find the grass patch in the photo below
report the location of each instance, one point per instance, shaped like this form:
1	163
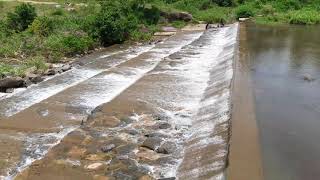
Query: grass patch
305	17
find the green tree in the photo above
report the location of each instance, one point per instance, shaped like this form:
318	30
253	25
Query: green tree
22	17
114	22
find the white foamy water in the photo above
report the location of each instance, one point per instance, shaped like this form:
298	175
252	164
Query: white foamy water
38	93
183	97
36	146
213	109
107	86
20	100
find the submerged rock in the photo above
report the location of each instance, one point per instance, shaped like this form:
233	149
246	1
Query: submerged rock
163	125
157	134
94	166
108	148
152	143
170	178
308	77
126	149
10	90
167	148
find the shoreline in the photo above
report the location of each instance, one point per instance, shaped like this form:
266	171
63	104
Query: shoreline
245	161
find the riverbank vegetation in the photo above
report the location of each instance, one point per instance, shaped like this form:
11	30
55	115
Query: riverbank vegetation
51	33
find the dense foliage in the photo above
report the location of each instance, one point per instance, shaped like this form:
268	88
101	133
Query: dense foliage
22	17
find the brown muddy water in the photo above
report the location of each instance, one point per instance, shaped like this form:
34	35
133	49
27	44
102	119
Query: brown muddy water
144	112
287	105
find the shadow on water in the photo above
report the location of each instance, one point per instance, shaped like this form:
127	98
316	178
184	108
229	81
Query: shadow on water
287	106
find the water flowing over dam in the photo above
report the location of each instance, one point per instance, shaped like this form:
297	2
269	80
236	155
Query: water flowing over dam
142	112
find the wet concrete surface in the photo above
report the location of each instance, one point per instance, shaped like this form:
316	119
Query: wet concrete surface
245	161
148	115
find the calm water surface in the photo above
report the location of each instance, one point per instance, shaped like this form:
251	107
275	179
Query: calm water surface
287	106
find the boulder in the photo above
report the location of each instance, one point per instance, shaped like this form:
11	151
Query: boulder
11	82
50	72
308	77
152	143
167	148
65	67
26	82
35	78
175	16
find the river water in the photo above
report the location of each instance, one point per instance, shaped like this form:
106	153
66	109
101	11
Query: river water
287	105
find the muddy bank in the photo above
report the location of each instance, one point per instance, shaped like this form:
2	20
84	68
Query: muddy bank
245	161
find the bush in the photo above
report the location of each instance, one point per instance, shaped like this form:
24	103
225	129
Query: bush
224	3
212	16
10	47
114	22
68	45
21	18
304	17
285	5
244	11
268	10
38	62
58	12
42	26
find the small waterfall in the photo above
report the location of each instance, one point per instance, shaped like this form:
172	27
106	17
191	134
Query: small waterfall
206	150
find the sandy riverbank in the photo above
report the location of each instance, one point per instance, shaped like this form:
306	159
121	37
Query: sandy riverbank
245	161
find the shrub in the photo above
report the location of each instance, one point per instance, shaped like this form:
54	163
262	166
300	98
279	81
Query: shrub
1	4
268	10
68	45
212	16
42	26
304	17
151	15
285	5
223	2
58	12
10	47
114	22
38	62
244	11
22	17
140	36
179	24
5	69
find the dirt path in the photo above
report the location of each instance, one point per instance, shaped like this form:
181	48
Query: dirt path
245	161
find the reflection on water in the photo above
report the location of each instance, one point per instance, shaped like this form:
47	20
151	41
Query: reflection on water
287	106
